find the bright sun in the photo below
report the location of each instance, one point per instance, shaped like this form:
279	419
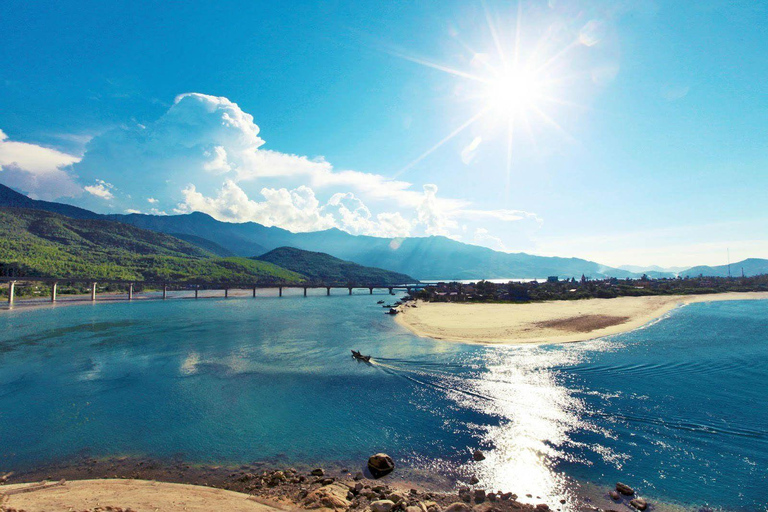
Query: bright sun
513	88
513	92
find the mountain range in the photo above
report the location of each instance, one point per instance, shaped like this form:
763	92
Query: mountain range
425	258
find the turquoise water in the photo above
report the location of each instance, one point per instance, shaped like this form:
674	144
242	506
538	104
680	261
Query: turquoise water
677	409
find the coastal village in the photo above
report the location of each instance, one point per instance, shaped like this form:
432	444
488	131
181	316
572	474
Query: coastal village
555	288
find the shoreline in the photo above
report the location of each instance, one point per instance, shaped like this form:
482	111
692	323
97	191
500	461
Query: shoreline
143	484
564	321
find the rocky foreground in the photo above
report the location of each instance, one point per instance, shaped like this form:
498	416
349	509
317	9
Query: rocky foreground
338	489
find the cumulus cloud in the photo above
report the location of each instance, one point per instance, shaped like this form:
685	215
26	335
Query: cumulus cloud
38	171
297	210
435	219
206	154
101	189
202	138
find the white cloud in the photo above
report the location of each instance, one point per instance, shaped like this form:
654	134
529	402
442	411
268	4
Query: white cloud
131	210
502	215
295	210
206	154
102	189
483	237
432	215
40	172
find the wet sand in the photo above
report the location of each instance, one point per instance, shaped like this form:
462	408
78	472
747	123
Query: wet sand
561	321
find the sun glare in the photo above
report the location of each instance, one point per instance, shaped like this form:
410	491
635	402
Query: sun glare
513	93
516	87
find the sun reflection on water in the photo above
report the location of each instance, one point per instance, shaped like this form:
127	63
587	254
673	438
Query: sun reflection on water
538	416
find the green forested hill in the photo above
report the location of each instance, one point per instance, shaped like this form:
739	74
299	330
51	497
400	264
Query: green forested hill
318	266
44	244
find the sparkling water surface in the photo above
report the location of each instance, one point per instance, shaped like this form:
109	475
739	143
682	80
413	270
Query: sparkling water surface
677	409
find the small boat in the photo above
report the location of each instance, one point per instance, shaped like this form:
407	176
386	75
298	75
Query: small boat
360	357
380	302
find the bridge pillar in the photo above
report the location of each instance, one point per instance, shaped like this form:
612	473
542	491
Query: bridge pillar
197	290
305	291
280	290
165	292
254	292
370	290
390	290
93	292
350	291
409	289
328	290
11	291
130	290
53	291
226	293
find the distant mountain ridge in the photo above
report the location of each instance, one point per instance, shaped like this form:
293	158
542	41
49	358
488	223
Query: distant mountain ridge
424	258
321	267
750	266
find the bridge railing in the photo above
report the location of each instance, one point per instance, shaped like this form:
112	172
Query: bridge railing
197	286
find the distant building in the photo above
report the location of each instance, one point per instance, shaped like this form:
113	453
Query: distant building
552	279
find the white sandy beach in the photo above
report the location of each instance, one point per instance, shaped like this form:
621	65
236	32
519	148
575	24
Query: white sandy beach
546	322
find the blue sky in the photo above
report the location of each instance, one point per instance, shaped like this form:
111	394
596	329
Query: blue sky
623	132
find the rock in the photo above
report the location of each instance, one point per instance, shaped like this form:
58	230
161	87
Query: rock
457	507
625	489
465	495
380	465
615	496
479	495
359	476
413	509
431	506
639	504
478	455
492	497
382	506
332	496
358	487
542	506
317	472
395	497
474	480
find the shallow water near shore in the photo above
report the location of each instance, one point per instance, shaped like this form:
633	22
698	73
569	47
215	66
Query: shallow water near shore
676	409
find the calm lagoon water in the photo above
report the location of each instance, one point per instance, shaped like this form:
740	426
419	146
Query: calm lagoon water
678	409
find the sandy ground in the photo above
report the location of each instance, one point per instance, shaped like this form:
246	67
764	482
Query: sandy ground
546	322
138	495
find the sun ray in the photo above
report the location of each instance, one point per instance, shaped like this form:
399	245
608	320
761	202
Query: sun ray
448	137
554	124
494	35
557	56
440	67
518	28
510	140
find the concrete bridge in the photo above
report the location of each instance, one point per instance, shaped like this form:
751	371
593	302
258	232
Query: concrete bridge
196	286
